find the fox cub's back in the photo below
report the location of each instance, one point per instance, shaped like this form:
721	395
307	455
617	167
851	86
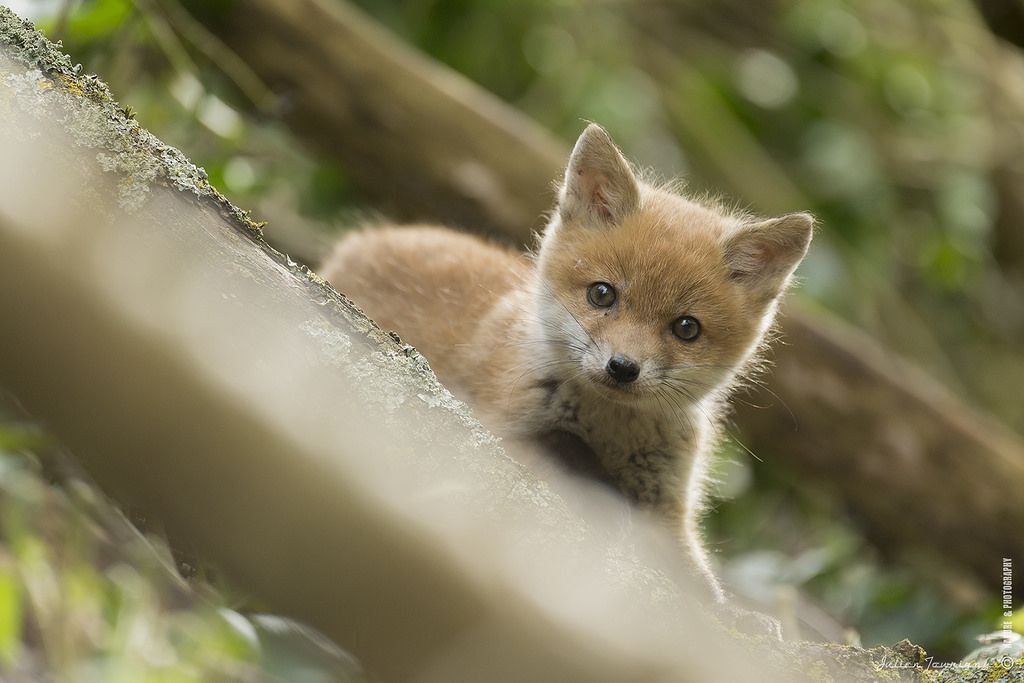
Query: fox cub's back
429	284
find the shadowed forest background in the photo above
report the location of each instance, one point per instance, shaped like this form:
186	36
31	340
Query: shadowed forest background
900	125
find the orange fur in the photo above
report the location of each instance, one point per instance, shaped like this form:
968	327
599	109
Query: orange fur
520	339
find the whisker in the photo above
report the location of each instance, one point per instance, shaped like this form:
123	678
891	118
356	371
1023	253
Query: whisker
730	433
539	369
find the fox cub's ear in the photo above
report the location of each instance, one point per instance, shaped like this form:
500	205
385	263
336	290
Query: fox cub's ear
600	188
762	256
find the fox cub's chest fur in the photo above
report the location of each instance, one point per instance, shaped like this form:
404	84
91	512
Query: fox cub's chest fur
645	450
627	328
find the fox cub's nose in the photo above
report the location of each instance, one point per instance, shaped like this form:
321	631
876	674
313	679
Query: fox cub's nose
622	369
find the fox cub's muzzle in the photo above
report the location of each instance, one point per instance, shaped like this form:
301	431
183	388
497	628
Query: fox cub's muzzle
622	369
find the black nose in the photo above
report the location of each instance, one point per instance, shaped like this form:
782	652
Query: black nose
623	370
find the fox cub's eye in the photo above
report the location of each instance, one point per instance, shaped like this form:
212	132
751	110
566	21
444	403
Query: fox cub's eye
601	294
686	328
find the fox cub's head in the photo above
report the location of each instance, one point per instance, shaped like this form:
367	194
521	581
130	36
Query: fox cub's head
644	294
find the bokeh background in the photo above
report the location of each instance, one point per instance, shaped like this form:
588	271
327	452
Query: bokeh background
899	124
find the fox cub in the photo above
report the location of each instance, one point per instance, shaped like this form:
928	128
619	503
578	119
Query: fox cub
627	328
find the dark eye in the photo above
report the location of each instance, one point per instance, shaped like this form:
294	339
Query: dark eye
686	328
601	294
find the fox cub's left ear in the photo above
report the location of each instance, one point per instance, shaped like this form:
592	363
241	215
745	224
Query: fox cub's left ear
600	188
762	256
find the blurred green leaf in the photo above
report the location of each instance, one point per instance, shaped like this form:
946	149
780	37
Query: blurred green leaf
17	437
10	613
94	19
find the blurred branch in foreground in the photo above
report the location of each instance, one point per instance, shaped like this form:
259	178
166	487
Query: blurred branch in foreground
868	426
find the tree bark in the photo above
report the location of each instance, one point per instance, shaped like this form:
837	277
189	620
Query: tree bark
902	452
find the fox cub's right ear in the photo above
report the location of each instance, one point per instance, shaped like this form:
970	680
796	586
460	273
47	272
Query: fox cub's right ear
600	188
761	256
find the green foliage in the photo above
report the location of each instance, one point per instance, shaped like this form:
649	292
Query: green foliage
92	23
84	597
10	615
780	537
482	39
22	437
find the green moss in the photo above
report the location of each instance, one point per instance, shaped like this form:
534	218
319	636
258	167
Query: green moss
70	84
313	276
246	218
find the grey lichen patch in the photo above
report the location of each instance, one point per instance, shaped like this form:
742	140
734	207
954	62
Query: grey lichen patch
400	374
51	86
136	173
332	341
89	125
429	399
33	49
377	383
392	369
624	567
